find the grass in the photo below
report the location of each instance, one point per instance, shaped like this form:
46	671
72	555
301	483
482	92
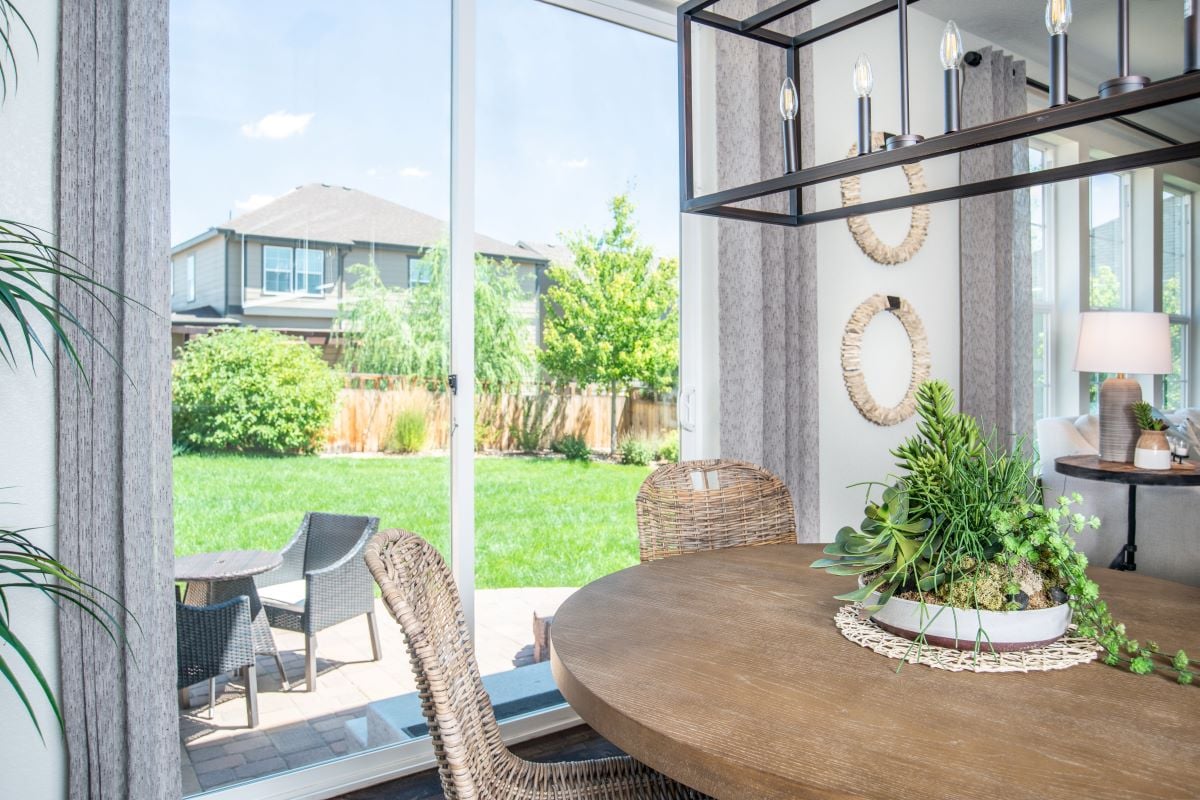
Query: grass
538	522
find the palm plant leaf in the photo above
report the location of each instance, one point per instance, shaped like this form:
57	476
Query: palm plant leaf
8	60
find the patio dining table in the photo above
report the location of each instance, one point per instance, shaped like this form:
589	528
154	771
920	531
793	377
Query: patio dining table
724	670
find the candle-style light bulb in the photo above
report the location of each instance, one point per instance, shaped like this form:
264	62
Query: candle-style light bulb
864	79
952	47
1058	16
789	101
864	82
789	105
951	54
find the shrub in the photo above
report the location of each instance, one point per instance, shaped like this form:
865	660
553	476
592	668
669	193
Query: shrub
669	449
408	432
251	389
575	448
636	451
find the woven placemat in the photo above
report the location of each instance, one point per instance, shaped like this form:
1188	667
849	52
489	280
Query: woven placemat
1066	652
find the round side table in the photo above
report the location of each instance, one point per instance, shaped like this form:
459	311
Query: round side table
1093	469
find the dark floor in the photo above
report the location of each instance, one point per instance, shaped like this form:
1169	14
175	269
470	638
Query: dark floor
572	745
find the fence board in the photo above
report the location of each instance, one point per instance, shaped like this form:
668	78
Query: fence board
369	404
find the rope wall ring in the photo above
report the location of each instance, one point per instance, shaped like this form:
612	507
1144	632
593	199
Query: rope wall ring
856	382
861	229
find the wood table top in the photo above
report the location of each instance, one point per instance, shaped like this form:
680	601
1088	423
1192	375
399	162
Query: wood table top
1092	468
724	670
225	566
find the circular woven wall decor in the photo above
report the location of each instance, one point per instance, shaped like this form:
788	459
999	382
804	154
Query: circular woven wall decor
852	373
861	229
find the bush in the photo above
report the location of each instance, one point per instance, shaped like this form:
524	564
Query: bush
669	449
251	389
408	432
575	448
636	451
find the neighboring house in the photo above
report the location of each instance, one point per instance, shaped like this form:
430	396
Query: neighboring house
284	266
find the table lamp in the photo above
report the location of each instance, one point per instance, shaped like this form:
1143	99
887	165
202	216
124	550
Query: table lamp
1125	343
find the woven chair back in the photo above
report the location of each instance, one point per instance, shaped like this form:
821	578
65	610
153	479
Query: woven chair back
331	536
709	505
420	594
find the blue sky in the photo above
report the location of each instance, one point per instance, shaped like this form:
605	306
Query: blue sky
268	95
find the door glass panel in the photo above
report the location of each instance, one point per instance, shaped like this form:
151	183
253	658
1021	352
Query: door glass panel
310	169
576	317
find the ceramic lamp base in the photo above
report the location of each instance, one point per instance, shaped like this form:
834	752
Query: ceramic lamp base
1119	430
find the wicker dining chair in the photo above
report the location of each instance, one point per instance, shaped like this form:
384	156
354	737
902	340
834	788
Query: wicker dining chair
709	505
473	762
322	582
212	641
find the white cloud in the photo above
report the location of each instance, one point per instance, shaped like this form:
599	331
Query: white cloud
414	172
277	125
372	172
252	202
576	163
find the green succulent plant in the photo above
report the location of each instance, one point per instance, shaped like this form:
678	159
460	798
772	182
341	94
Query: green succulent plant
888	547
1143	412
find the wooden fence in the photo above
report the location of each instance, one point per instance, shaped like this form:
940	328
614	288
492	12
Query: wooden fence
369	404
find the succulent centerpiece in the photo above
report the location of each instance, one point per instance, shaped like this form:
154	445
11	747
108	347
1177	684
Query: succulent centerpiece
958	549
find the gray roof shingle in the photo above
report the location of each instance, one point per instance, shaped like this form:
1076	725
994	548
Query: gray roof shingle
340	215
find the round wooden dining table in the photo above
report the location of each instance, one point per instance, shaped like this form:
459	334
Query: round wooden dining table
724	670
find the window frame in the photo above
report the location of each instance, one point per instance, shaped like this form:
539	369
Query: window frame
1045	307
1125	201
1183	317
190	272
300	279
290	271
414	260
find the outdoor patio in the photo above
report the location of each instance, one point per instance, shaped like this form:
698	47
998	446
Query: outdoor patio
347	711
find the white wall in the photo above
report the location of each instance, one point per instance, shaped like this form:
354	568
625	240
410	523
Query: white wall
27	437
853	449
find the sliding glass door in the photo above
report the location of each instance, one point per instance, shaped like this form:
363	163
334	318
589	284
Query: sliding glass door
362	190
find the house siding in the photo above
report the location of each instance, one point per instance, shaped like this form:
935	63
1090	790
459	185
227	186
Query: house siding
392	265
210	276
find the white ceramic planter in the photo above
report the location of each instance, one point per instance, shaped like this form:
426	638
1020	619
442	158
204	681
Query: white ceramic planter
946	626
1152	451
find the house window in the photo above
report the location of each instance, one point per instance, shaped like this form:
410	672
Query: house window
1041	230
310	270
1109	274
191	278
420	271
277	268
1176	289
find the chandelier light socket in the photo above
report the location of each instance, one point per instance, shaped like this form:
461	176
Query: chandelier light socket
1191	37
952	99
1058	69
864	125
1124	82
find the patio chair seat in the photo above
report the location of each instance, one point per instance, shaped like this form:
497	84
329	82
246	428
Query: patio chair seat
285	594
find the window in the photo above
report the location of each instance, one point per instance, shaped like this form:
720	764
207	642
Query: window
310	270
420	271
277	268
191	278
1176	289
1041	231
1108	242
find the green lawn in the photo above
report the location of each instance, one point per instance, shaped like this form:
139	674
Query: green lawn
538	522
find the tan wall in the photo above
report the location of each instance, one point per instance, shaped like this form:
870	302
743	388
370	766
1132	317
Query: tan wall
366	416
210	275
392	265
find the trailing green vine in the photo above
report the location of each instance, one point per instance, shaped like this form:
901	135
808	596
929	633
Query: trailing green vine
1041	535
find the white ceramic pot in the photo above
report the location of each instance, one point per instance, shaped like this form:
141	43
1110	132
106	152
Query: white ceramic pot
1153	451
946	626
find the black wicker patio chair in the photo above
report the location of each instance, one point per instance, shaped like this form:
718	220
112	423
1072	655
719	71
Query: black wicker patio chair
323	581
211	641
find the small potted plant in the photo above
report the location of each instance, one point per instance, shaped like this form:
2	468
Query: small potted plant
1153	451
959	550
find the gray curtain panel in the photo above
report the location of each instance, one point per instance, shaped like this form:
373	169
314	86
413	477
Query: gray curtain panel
996	267
114	437
767	280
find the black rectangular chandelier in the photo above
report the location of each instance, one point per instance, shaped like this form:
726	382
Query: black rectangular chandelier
1124	95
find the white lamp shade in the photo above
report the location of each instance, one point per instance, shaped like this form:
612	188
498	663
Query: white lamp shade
1130	342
